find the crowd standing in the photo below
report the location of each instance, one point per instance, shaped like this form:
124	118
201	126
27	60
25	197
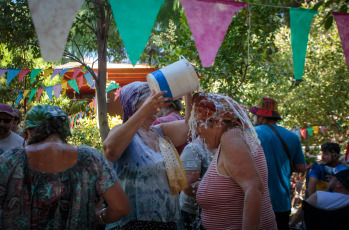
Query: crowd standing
209	169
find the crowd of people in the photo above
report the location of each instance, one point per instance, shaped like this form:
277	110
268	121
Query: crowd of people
213	168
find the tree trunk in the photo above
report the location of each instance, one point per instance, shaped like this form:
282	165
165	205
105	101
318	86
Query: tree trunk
102	39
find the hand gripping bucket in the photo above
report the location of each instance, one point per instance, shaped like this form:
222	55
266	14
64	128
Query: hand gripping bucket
178	79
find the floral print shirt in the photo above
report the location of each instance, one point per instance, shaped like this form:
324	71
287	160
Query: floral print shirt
32	199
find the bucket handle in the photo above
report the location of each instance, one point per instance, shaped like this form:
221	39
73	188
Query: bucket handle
182	57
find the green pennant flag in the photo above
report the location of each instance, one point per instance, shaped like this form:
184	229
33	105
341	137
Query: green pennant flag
300	20
32	92
33	74
111	87
135	20
310	131
74	85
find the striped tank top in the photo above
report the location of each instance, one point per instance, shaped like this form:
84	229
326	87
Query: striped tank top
222	199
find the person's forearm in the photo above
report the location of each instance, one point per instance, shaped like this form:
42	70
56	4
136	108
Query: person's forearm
252	209
296	218
311	186
118	139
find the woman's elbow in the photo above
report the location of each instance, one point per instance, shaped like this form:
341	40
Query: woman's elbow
110	153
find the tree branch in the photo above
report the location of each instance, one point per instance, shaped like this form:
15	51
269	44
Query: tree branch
90	27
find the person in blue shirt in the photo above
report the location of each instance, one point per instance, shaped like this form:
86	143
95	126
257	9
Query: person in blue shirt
279	165
318	177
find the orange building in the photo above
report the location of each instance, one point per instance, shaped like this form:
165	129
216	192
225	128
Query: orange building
121	74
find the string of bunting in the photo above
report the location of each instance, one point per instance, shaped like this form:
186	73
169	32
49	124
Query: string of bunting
311	131
74	119
207	19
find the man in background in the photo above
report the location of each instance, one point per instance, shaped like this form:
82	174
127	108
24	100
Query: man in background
318	177
279	158
8	139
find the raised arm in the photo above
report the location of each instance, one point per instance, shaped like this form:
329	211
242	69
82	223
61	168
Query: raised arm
177	131
121	136
239	165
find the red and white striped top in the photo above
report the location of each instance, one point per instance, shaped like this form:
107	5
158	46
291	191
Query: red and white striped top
222	199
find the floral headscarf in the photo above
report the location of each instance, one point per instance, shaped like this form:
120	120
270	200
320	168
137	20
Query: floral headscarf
41	113
219	107
131	95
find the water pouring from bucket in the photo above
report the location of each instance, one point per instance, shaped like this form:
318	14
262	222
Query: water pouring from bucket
178	79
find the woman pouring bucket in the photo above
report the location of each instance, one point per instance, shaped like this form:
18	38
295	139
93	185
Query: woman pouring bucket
144	156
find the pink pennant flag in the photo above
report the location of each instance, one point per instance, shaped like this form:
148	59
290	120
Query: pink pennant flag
39	94
304	133
57	90
342	21
22	74
76	72
117	93
209	21
80	80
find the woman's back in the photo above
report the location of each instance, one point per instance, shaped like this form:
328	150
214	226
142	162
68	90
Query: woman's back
58	189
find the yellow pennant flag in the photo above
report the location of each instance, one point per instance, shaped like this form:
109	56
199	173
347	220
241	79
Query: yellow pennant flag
47	72
64	84
25	93
316	129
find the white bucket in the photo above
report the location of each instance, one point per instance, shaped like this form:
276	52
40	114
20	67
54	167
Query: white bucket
178	79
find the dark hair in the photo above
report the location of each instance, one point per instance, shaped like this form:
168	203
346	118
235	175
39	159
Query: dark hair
332	147
53	125
177	105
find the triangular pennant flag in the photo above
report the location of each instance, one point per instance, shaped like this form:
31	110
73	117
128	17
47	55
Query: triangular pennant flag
209	21
39	94
33	74
64	71
32	92
80	81
20	96
76	72
322	129
2	71
64	84
316	129
117	93
111	87
22	74
74	85
342	21
11	74
55	72
310	131
47	72
300	20
57	90
49	92
89	79
135	20
53	31
304	133
25	92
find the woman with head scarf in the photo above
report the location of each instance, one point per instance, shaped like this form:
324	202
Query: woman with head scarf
233	193
50	184
147	166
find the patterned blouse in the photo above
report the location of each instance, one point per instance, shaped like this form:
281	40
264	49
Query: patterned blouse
141	173
32	199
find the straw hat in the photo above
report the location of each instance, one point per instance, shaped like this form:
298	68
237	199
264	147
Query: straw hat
267	108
